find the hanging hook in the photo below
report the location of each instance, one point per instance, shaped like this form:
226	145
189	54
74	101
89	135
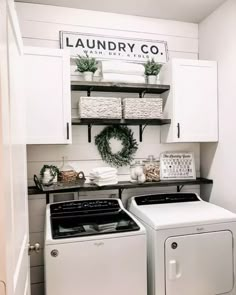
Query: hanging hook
142	93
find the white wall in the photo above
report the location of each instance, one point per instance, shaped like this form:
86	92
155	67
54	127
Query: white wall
40	26
217	42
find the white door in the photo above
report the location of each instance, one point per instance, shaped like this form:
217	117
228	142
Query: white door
14	266
195	101
199	264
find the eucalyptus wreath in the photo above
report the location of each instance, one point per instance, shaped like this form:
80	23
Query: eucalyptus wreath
125	155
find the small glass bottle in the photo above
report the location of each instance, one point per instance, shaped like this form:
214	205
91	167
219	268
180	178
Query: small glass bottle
152	169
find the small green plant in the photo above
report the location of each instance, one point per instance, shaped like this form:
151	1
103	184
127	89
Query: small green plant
152	67
86	64
54	171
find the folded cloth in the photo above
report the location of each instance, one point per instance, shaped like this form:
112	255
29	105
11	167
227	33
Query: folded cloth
108	179
112	77
120	67
103	171
103	176
102	183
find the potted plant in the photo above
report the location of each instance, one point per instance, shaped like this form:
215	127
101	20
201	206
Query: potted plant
152	69
86	65
49	174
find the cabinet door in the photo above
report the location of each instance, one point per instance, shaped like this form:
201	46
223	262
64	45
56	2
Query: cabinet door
195	111
47	74
199	264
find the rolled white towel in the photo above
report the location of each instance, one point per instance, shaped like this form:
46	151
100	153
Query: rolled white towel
103	170
120	67
110	77
103	176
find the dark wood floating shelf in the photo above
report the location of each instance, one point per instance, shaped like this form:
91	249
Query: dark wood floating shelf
142	123
78	187
119	87
121	122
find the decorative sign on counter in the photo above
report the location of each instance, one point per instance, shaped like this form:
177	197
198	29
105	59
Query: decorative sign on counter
116	48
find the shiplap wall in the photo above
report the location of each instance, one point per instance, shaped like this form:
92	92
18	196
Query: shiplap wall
40	26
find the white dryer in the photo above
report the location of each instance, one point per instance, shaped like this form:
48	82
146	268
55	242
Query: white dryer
94	247
190	244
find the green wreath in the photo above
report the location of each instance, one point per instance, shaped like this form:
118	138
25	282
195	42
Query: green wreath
130	146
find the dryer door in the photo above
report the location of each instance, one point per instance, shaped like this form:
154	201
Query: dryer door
199	264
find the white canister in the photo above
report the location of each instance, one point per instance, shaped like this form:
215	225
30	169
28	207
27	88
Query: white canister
137	172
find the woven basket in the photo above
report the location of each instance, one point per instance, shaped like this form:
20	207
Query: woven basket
100	107
142	108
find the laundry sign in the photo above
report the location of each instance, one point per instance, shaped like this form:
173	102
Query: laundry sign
107	47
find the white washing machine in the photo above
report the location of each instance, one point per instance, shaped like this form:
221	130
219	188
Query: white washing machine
190	244
94	247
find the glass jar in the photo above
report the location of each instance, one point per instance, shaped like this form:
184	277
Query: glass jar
152	169
137	172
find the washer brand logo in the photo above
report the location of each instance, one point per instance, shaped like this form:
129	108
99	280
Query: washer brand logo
107	47
98	244
200	228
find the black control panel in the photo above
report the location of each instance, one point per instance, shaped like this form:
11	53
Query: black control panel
166	198
84	207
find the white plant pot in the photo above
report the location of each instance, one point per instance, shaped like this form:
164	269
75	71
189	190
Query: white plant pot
48	178
151	79
88	76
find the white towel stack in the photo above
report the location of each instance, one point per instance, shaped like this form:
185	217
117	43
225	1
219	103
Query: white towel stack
118	71
104	176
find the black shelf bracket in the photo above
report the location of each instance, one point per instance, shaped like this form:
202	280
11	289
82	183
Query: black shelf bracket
120	192
47	197
89	132
179	188
89	91
142	93
141	130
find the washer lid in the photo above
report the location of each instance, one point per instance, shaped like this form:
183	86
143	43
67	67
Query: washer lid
88	218
173	214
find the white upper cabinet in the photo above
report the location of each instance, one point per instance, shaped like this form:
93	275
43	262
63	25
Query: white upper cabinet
47	76
192	101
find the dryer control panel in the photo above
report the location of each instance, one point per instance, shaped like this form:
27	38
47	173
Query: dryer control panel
166	198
